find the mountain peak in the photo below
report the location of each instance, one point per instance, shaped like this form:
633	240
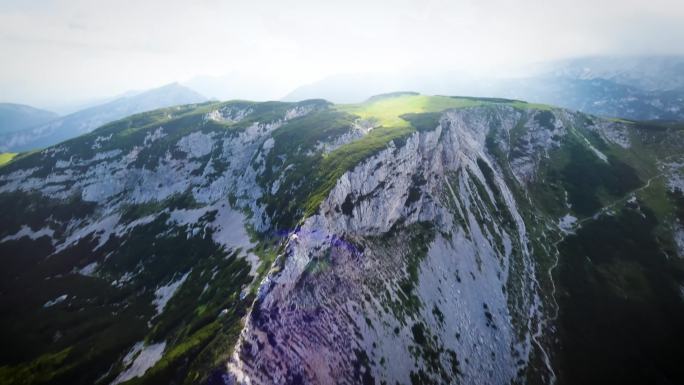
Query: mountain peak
17	117
86	120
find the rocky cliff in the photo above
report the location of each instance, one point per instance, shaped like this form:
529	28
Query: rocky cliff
409	239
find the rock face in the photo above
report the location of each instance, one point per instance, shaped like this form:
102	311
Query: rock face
420	267
293	243
429	301
141	227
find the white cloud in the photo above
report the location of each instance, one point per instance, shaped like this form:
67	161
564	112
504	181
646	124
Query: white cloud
77	49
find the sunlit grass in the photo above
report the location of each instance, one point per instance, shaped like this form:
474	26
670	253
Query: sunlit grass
530	106
5	157
387	111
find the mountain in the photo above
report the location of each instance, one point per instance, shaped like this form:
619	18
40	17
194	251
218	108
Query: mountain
17	117
84	121
597	96
640	88
407	239
650	73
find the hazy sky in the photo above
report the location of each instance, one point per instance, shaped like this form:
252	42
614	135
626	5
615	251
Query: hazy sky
63	51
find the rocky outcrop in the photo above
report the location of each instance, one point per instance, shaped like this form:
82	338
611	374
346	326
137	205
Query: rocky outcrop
417	266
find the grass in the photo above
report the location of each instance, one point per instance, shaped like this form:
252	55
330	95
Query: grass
41	370
415	239
198	338
387	111
335	164
163	371
397	116
6	157
620	302
96	339
176	121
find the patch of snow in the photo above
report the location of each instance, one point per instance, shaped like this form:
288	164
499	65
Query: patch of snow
228	114
153	136
133	353
55	301
89	269
164	293
675	171
124	279
26	231
229	231
268	145
196	145
567	223
64	163
145	358
297	112
103	228
679	240
349	136
615	132
181	217
106	155
99	140
596	152
121	230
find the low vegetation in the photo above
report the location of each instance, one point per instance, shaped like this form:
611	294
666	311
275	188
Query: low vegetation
5	157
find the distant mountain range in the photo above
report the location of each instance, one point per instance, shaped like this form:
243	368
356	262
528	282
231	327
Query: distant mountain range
598	96
650	73
641	88
17	117
53	131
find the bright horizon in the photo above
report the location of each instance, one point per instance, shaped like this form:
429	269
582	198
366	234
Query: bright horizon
60	52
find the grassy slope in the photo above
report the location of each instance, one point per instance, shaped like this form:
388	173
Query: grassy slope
198	339
390	112
387	111
618	268
5	157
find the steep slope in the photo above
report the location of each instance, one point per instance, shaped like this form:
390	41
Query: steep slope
81	122
17	117
430	262
409	239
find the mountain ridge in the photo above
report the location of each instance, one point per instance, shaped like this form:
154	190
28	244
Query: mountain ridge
16	117
639	88
409	239
90	118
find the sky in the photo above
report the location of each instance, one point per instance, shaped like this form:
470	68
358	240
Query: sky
60	52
